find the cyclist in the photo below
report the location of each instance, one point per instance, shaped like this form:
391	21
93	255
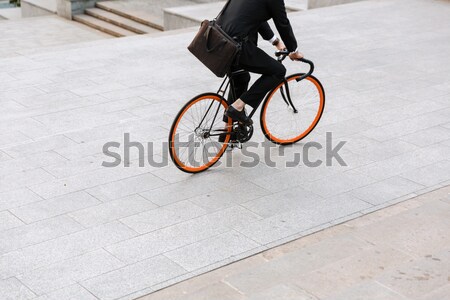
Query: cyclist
243	20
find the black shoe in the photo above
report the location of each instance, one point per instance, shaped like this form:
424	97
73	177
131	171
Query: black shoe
238	115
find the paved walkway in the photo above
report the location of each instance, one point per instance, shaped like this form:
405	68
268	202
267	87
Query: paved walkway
31	34
69	226
398	253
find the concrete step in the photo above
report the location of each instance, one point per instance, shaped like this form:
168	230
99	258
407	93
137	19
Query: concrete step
145	18
103	26
13	13
120	21
296	5
35	8
192	15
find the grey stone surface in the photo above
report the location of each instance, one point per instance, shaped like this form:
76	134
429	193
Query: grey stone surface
324	3
211	250
56	250
112	210
31	234
342	262
16	198
68	272
184	15
33	161
134	277
75	97
391	188
163	216
29	34
8	221
162	240
126	187
72	292
11	13
339	183
54	207
12	289
429	175
189	16
233	217
278	203
17	180
33	8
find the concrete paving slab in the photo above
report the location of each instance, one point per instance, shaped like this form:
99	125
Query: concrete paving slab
12	13
8	221
46	31
337	263
55	277
14	289
74	291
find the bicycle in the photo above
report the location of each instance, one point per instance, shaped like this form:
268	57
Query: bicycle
200	123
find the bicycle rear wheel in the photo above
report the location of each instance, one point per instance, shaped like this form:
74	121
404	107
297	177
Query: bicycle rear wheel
280	123
194	137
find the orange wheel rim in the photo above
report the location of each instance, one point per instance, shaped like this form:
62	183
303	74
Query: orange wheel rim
200	168
311	126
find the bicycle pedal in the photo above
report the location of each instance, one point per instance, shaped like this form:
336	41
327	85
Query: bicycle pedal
234	145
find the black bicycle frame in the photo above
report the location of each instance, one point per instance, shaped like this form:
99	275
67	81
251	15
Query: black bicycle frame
228	82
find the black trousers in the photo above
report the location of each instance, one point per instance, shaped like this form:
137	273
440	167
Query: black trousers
255	60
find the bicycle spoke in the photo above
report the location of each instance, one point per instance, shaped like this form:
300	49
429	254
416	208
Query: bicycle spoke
280	120
200	119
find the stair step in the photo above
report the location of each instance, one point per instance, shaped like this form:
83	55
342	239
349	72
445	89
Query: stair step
103	26
120	21
135	15
192	15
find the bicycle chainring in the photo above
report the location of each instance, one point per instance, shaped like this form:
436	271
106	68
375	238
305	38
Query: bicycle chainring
243	133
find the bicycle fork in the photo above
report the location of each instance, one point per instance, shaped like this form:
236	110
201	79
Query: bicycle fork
287	96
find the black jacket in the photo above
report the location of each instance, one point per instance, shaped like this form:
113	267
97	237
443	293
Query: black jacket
244	18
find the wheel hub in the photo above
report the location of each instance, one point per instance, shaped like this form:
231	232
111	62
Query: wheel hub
202	133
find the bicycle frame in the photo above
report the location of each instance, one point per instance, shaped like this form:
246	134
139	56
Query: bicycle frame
228	82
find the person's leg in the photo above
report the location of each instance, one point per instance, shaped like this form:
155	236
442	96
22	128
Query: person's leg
256	60
240	85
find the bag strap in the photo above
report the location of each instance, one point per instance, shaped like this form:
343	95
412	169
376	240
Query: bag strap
223	9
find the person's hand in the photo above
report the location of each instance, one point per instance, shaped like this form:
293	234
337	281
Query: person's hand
281	46
296	55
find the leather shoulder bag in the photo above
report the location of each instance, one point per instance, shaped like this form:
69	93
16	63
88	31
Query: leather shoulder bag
214	47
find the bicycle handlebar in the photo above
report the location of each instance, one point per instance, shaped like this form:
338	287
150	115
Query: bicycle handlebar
284	53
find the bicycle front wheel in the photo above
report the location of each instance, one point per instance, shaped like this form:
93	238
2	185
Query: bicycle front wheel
292	110
194	139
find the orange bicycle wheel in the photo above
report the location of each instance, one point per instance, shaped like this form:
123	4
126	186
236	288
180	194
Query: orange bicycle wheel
194	137
280	123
